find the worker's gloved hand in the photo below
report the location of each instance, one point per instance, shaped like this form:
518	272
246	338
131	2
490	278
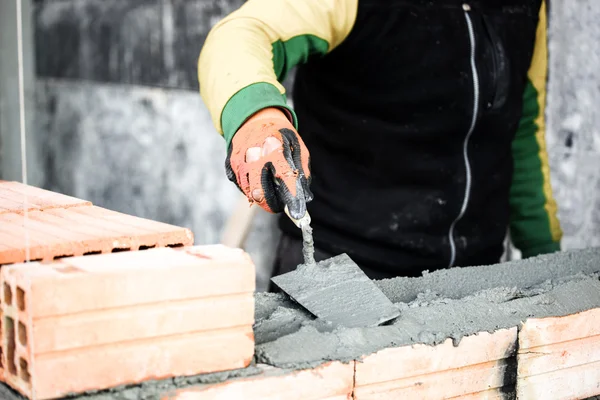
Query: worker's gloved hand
270	164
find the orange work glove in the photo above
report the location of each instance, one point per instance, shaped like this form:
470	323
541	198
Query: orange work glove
270	164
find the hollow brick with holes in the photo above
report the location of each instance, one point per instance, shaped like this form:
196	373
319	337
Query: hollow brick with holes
96	322
330	381
85	230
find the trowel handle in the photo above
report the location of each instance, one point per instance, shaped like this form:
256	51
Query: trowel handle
298	222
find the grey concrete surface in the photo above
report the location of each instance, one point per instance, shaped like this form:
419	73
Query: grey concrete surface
573	118
10	139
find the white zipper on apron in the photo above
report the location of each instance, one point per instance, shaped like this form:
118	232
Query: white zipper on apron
465	203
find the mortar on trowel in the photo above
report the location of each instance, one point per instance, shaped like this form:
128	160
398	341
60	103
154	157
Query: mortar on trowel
336	289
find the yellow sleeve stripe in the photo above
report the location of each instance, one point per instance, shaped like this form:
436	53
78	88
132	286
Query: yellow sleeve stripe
538	76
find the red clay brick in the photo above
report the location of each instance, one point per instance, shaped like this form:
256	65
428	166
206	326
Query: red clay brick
477	364
94	322
83	239
12	195
8	205
47	237
73	232
130	235
558	357
94	236
59	333
331	381
129	279
13	248
167	236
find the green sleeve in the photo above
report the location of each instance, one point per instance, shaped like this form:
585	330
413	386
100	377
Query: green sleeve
258	96
534	224
247	55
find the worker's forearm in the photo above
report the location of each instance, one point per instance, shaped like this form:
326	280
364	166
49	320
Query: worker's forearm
247	54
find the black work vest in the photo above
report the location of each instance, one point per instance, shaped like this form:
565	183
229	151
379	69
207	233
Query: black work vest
409	123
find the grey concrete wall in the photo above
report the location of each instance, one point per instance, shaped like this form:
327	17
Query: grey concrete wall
10	137
123	125
144	151
573	114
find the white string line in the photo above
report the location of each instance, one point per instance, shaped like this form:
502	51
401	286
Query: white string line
23	150
22	124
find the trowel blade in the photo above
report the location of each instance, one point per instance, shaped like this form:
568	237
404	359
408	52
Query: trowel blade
337	290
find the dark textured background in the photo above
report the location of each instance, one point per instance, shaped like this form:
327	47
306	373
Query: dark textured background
139	42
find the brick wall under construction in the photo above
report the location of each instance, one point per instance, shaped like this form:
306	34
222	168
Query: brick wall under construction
119	307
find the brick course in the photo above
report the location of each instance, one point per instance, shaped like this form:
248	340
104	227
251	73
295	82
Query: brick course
331	381
478	364
95	322
559	358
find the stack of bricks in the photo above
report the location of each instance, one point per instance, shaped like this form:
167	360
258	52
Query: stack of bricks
63	226
80	319
329	381
478	368
562	363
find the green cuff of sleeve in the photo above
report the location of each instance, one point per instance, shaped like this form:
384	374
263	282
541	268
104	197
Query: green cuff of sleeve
540	249
247	102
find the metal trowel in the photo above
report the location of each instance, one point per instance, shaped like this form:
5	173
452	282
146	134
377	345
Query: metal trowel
335	289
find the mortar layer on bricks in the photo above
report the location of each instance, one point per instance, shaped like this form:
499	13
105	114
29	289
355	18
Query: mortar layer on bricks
444	304
453	304
96	322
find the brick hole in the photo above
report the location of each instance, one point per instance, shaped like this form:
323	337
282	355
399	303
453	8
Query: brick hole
24	370
1	358
22	334
63	256
147	247
118	250
92	253
175	245
9	324
35	260
20	299
7	294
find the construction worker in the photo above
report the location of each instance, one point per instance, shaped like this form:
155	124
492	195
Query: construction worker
416	137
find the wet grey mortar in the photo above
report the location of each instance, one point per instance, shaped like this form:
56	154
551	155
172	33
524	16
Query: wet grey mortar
308	245
443	304
440	305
